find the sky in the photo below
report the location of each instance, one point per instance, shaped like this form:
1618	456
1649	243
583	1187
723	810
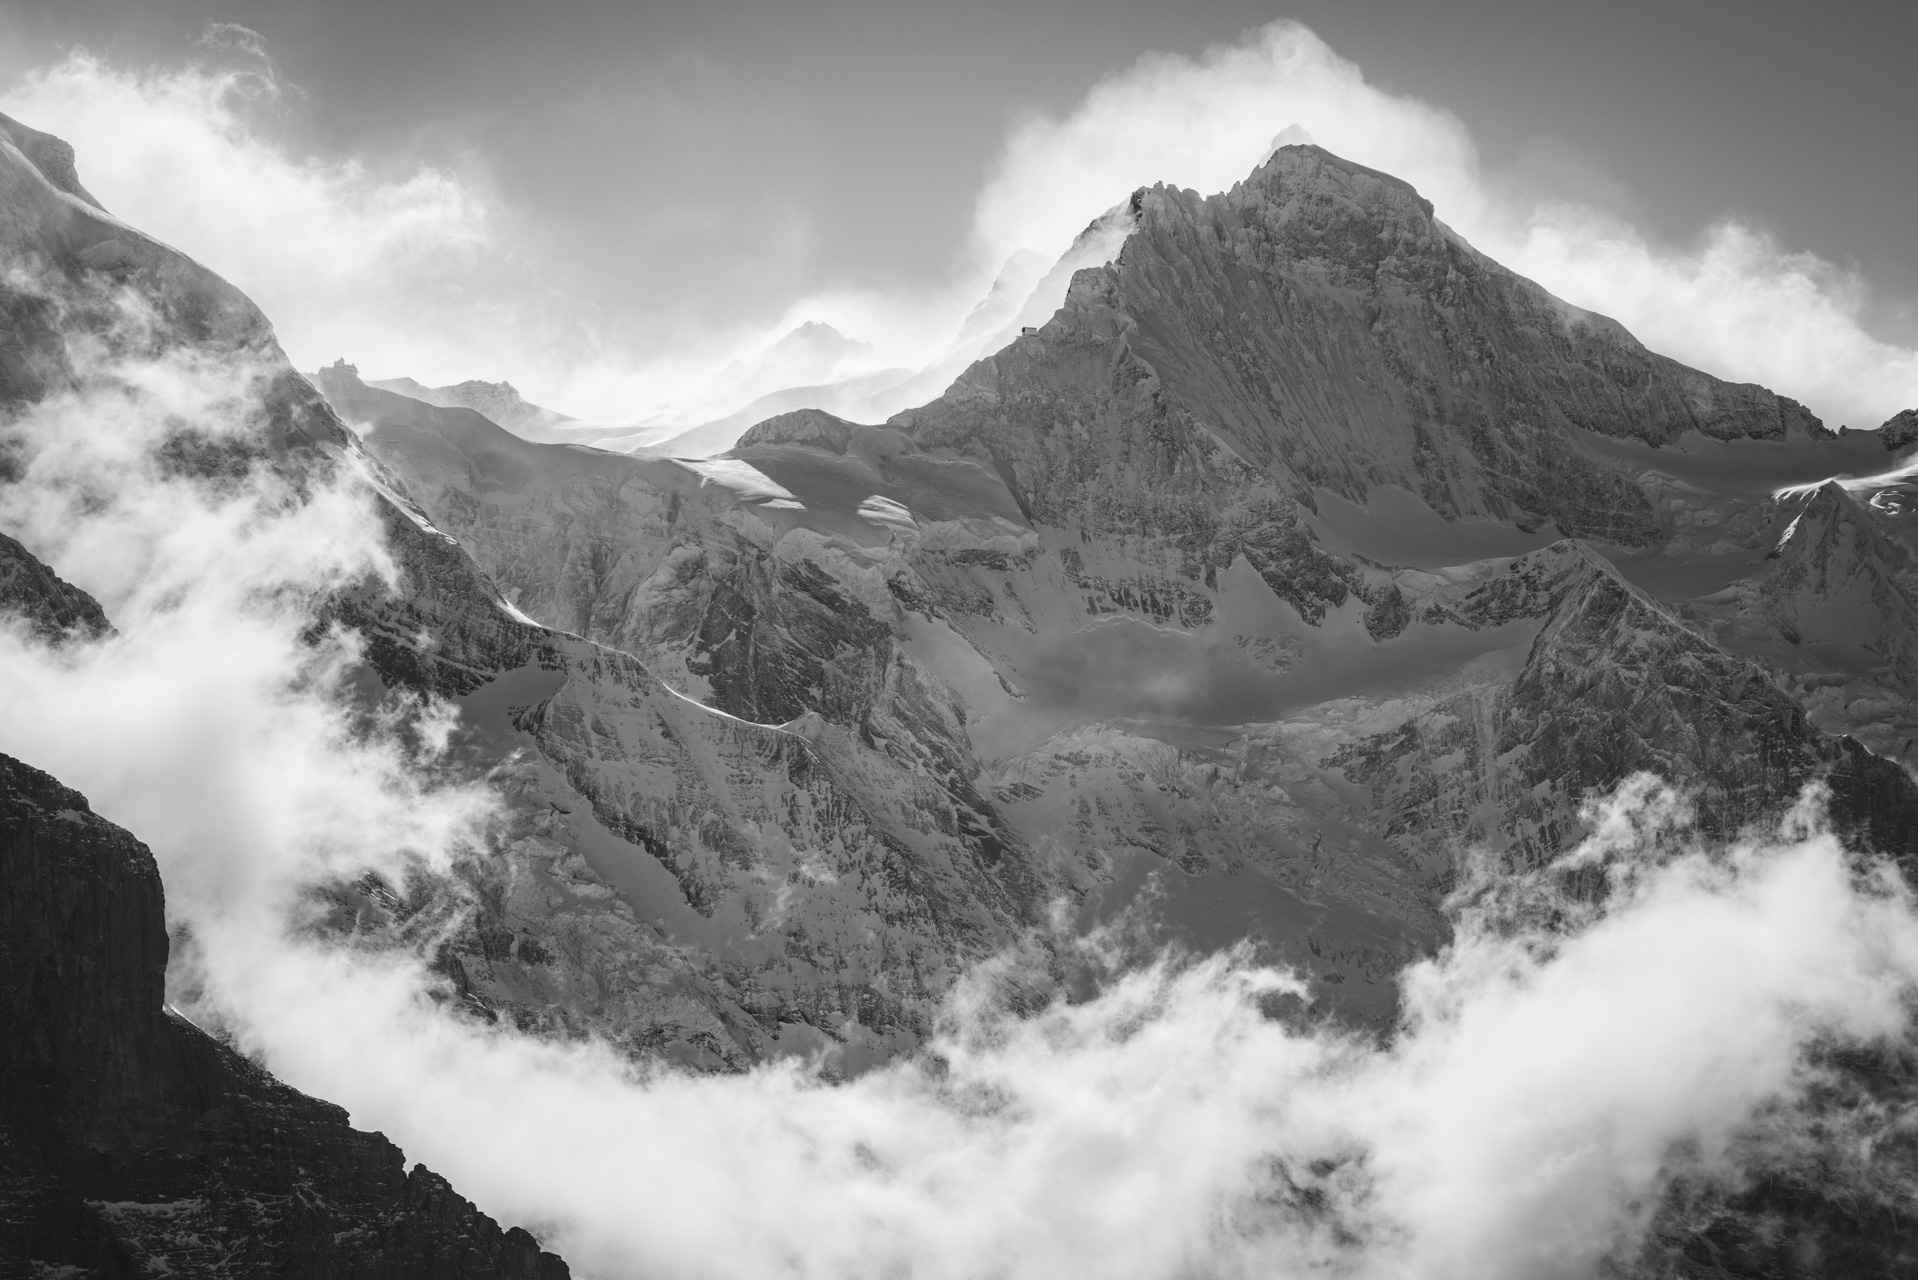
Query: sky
608	194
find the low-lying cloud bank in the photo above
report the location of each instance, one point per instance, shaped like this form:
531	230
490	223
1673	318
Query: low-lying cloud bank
1561	1063
422	275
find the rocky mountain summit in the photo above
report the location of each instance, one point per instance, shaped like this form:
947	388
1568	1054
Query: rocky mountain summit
1317	327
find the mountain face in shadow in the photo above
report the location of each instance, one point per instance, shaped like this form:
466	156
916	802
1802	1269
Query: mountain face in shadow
1192	580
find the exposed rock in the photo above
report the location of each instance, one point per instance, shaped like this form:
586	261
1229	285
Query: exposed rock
857	870
1613	684
766	837
803	426
51	606
1899	430
1831	581
894	631
133	1144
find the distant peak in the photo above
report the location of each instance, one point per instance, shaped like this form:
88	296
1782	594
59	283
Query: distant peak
818	339
1293	135
478	387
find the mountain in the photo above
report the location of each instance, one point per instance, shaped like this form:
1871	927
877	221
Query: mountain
865	829
812	366
1900	429
52	607
1832	582
132	1143
497	400
1183	583
1007	294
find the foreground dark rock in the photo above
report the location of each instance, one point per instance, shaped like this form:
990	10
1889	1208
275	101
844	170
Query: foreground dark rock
131	1143
1317	327
54	608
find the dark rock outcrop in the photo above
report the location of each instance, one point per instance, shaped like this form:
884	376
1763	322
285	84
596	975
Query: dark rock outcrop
50	605
131	1143
1831	578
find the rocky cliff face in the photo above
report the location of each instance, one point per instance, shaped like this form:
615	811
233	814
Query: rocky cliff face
133	1144
45	603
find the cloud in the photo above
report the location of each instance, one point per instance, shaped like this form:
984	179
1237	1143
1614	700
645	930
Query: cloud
344	260
1562	1061
420	271
1736	304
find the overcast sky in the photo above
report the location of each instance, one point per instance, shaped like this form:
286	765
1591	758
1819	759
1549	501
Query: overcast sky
683	169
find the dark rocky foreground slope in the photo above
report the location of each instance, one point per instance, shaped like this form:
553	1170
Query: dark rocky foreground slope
133	1144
